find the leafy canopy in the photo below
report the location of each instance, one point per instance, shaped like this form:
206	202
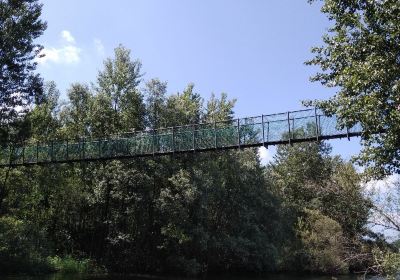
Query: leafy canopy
360	58
20	25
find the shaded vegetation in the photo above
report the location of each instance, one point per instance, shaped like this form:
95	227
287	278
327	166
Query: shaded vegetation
188	214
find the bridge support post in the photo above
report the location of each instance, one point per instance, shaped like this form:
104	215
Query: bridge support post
173	140
154	141
238	132
347	132
215	134
100	153
263	129
316	124
194	137
288	121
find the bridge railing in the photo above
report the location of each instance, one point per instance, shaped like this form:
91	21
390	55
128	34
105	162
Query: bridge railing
271	129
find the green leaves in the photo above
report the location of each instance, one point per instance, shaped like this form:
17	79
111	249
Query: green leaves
361	59
118	82
20	25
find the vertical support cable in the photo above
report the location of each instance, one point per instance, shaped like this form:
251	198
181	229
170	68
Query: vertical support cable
193	137
52	151
263	129
99	148
293	129
238	131
267	134
347	131
154	142
128	153
173	139
319	125
316	124
215	135
288	121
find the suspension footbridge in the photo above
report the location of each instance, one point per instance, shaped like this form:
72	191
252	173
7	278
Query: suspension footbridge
265	130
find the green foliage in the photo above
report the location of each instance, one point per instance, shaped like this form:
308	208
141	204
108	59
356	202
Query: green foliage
21	247
186	214
306	176
20	25
70	265
184	108
155	92
44	117
386	263
360	59
219	109
75	117
118	82
322	243
391	265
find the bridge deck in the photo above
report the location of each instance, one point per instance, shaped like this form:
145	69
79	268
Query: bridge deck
265	130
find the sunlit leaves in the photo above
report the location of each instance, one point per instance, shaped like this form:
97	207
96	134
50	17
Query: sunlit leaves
360	59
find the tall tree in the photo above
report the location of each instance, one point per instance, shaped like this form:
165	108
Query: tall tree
44	117
20	25
118	82
219	109
155	92
360	58
184	108
75	115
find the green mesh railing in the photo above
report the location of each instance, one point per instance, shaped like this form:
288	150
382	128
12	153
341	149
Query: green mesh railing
283	128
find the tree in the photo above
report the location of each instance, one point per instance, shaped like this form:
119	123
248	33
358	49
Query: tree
306	175
155	92
219	109
360	60
20	25
118	82
299	170
184	108
307	178
323	243
75	115
44	117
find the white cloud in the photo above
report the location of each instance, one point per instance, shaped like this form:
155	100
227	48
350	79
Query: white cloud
265	155
99	47
67	36
68	53
64	55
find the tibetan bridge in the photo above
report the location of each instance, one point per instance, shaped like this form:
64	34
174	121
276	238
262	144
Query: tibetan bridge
284	128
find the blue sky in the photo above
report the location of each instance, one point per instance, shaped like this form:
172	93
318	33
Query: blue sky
252	50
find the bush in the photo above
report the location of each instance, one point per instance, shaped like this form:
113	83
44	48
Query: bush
322	242
21	247
387	263
71	265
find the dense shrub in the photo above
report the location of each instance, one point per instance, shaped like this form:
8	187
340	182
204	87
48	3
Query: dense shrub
21	247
